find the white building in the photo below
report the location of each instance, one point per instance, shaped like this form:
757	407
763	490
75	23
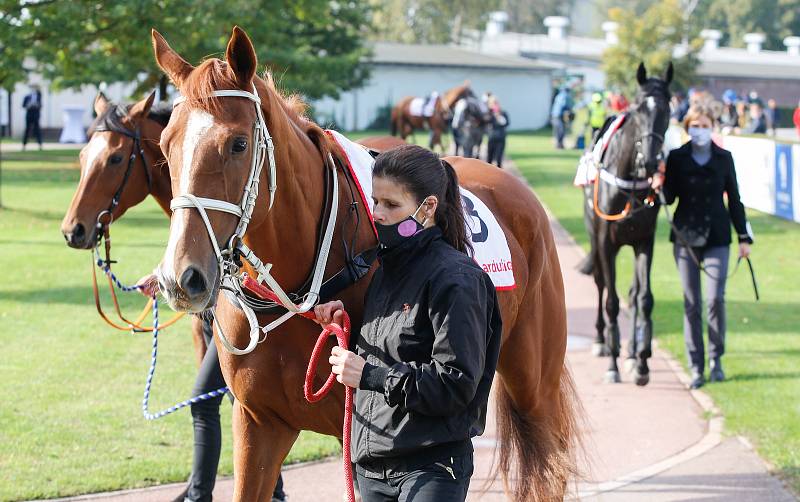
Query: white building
523	86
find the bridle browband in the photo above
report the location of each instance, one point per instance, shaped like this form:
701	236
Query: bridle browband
229	259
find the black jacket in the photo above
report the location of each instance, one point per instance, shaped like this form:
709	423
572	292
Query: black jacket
701	216
431	338
498	126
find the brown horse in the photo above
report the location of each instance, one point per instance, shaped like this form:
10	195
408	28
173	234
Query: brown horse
104	162
404	124
210	143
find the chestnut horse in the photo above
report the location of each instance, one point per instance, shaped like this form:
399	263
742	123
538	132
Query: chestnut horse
214	143
404	124
103	173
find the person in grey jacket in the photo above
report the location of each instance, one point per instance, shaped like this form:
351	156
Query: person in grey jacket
426	354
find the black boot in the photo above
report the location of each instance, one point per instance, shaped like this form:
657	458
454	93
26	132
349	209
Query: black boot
182	496
717	375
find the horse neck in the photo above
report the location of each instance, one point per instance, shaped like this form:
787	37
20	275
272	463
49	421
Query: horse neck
622	153
286	236
156	165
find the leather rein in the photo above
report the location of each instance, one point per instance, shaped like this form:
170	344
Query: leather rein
104	220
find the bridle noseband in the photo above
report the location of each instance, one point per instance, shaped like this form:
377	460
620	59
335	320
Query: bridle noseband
229	259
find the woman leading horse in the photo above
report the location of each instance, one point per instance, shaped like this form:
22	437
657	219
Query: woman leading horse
231	123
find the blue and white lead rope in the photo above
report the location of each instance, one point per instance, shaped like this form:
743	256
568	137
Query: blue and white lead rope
151	372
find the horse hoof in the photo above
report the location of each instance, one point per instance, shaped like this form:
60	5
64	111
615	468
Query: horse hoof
612	377
629	364
641	379
600	350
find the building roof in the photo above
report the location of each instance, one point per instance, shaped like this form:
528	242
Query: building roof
719	62
390	53
739	63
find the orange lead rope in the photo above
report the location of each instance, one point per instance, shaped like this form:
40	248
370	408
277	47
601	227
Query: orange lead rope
342	334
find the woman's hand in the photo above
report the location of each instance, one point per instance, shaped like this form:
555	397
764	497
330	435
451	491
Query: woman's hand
658	178
347	366
327	313
148	285
744	249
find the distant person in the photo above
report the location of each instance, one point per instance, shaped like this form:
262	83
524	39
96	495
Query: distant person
497	132
679	106
32	103
753	98
699	174
796	119
741	110
618	102
756	123
729	117
772	116
560	114
597	112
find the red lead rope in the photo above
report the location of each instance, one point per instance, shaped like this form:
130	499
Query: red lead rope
342	334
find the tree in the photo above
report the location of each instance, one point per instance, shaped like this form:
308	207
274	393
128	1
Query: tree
429	21
652	37
313	46
527	16
774	18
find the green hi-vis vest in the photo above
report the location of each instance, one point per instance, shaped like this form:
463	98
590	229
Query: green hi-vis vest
597	114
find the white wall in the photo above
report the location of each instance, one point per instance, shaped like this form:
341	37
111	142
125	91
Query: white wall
52	103
525	95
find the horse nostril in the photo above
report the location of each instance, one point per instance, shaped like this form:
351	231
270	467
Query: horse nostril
78	233
192	282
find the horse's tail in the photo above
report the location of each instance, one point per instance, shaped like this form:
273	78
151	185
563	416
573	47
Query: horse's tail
586	266
538	454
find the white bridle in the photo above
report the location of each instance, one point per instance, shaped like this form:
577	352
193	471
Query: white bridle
229	272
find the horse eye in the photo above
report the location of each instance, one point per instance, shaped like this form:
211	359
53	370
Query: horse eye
239	145
115	159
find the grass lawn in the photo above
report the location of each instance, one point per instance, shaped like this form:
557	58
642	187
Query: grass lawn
71	419
761	398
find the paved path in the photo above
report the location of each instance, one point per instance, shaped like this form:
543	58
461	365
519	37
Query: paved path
649	443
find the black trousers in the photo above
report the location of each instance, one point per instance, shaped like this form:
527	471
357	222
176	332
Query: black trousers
32	128
497	147
207	430
444	481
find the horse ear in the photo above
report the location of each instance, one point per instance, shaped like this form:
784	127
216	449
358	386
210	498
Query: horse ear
176	68
641	74
668	76
141	109
101	104
241	57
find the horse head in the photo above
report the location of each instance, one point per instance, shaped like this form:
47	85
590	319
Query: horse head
113	177
218	138
651	113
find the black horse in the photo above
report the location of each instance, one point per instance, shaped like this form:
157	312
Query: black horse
470	126
621	209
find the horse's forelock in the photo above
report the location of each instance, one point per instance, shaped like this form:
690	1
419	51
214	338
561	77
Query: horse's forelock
212	75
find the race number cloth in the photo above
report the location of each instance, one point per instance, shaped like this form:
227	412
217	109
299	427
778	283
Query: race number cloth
423	107
488	240
587	166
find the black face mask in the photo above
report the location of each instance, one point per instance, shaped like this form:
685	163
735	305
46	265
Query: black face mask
391	236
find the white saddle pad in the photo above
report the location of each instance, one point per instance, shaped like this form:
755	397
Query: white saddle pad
415	108
491	249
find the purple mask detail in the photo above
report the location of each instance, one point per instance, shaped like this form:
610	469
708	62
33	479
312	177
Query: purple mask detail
407	228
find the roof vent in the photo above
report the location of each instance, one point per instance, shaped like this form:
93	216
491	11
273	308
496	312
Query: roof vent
610	27
754	41
556	27
497	23
711	39
792	45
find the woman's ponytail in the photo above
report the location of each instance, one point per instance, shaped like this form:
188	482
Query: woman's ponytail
450	212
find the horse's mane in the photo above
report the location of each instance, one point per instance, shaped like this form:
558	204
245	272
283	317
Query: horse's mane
214	74
453	95
160	112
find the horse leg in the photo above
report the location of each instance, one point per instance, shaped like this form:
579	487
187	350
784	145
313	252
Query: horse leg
633	294
259	447
643	329
599	347
608	257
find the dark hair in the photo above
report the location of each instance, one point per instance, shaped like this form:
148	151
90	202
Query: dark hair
423	173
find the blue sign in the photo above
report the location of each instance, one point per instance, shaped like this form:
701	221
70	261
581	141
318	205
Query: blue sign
783	181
